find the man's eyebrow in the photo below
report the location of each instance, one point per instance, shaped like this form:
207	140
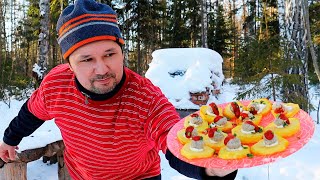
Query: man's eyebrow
110	50
84	56
106	51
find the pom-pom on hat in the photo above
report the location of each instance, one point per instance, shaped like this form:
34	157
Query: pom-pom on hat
84	22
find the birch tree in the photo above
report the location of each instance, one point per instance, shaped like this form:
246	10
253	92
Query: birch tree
293	31
43	47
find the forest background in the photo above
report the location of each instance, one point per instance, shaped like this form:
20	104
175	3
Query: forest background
270	45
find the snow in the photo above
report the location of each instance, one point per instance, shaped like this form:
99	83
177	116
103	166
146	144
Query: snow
198	68
37	69
118	4
303	164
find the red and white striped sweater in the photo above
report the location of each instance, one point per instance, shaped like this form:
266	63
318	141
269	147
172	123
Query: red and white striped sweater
118	138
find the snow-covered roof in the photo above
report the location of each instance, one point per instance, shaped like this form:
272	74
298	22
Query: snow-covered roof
178	71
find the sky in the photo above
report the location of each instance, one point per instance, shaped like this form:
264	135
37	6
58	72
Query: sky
303	164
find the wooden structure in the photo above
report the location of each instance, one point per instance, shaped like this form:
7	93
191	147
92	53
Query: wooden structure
185	112
199	98
215	91
17	170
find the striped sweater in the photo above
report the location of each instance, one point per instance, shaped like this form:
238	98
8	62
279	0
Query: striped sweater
118	138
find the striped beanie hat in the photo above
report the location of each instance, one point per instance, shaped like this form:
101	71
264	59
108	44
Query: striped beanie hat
84	22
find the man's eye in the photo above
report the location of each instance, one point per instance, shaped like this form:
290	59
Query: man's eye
109	55
86	60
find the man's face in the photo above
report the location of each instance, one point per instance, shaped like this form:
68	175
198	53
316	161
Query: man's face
98	66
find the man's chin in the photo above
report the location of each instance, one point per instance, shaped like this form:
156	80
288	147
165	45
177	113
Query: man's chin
103	90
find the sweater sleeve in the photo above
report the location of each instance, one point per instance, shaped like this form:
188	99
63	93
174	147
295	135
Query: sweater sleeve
193	171
162	117
21	126
36	103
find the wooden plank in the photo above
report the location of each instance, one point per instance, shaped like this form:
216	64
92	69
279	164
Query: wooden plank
14	171
31	154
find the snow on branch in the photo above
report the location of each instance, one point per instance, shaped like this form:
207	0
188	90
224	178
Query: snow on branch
37	69
118	4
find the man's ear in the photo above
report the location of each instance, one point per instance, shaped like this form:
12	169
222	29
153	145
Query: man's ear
70	66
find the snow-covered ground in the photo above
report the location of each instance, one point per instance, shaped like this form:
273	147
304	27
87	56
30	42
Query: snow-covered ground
304	164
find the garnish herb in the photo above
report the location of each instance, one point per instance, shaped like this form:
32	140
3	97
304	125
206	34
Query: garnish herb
250	155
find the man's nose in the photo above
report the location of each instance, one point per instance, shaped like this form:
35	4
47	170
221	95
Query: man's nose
101	67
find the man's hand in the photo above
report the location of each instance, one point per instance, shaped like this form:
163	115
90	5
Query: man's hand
219	172
8	152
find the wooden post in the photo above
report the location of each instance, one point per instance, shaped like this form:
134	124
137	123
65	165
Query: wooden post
63	173
14	171
17	170
57	148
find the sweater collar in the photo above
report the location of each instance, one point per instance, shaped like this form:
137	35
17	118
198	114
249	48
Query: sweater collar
101	97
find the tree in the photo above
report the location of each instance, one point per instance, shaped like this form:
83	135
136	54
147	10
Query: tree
314	23
43	40
273	57
178	31
296	49
204	24
54	57
231	22
3	42
314	10
192	21
219	37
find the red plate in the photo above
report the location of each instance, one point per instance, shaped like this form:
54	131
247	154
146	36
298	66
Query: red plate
296	142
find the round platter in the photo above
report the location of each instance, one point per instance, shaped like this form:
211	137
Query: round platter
296	142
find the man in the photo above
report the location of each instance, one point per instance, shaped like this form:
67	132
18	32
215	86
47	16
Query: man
113	121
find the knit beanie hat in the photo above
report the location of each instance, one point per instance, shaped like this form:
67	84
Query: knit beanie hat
84	22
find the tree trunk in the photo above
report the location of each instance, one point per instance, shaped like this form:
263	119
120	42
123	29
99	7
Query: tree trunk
63	173
61	6
311	46
14	171
2	39
126	36
309	39
244	17
43	39
235	50
204	23
12	37
265	19
5	44
138	42
26	62
293	19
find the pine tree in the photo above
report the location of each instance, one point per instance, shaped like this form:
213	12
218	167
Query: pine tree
192	23
219	33
178	31
274	59
314	18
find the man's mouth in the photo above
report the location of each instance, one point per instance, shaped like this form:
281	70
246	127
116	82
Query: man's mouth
104	80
